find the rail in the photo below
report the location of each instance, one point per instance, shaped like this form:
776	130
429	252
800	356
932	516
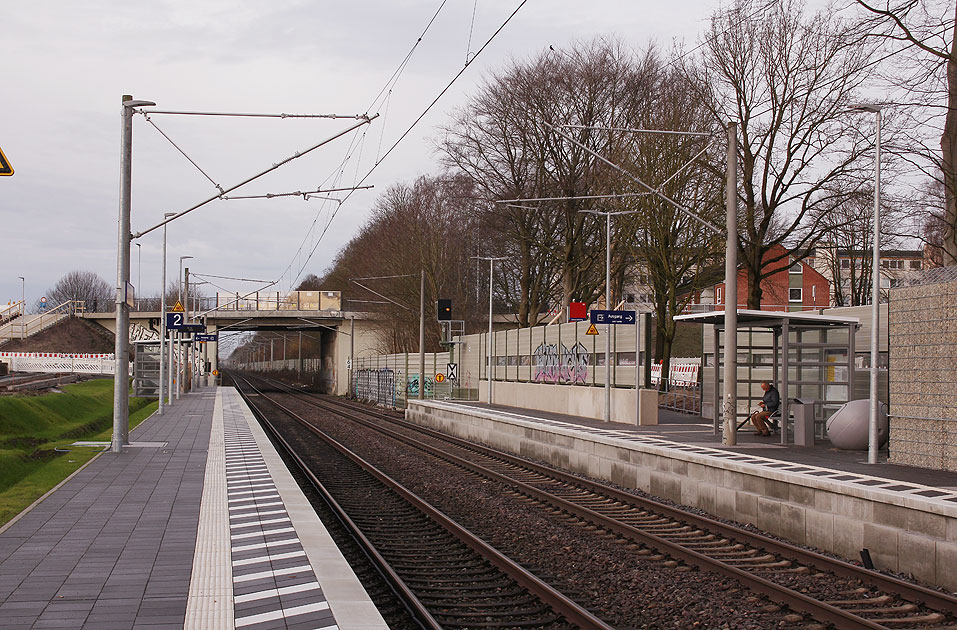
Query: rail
763	564
470	570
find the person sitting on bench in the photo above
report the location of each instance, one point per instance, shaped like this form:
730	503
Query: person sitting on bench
769	405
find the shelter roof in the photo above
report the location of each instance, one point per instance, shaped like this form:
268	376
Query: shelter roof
769	319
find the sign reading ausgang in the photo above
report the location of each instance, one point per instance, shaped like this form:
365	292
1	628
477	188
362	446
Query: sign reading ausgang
612	317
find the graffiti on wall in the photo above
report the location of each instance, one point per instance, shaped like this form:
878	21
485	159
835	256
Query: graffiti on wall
557	363
413	386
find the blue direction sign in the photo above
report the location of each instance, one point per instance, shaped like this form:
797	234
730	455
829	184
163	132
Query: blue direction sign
208	337
612	317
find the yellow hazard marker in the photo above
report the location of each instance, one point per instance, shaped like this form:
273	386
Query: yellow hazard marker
215	372
439	377
592	330
178	308
5	167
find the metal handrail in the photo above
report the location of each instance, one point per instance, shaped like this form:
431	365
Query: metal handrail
11	311
26	327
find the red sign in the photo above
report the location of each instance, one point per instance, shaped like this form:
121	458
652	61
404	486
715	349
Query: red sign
577	312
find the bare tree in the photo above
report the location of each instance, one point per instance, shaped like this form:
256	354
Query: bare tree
786	77
676	252
86	286
920	36
848	247
505	141
442	211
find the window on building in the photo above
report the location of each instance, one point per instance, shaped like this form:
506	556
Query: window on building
794	295
795	268
915	264
845	264
885	263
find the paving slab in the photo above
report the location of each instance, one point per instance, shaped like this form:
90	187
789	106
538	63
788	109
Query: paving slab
196	524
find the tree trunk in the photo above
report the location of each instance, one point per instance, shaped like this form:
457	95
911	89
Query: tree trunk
754	289
948	145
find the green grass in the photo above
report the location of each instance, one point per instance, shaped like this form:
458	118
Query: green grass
32	428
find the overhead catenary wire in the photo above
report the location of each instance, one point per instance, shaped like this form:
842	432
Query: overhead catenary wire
257	115
177	147
417	120
272	168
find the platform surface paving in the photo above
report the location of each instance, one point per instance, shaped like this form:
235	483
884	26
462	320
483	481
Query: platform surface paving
197	524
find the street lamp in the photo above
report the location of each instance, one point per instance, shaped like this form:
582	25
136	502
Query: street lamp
23	305
876	282
608	216
491	262
163	332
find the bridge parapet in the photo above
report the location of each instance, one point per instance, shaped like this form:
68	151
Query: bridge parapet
279	301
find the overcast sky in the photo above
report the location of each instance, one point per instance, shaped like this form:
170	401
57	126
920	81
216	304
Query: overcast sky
68	63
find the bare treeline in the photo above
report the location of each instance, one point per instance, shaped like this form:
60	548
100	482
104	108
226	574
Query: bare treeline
545	142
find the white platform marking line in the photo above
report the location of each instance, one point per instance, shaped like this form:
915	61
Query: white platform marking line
275	543
232	515
268	558
268	494
273	592
260	523
252	509
280	614
282	530
272	573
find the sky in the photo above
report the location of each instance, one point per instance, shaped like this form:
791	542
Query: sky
68	64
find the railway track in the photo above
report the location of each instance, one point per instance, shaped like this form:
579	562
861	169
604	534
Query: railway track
829	590
447	577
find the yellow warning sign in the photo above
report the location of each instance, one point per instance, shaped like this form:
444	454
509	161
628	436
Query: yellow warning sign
215	372
592	330
439	377
5	167
178	308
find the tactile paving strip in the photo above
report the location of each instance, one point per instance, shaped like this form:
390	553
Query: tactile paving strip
274	585
877	483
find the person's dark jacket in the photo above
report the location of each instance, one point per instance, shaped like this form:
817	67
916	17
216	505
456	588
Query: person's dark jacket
772	399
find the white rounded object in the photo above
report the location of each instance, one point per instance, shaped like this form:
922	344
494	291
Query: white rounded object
847	428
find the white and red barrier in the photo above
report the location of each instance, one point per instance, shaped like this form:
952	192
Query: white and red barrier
60	362
681	374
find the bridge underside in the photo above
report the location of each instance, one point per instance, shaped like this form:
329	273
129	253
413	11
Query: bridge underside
322	326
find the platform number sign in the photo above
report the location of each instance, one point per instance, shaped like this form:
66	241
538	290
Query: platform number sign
175	321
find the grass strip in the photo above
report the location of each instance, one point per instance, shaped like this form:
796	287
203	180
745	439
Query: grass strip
36	431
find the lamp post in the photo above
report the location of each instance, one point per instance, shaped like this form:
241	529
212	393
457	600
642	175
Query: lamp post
23	305
491	270
872	438
607	216
162	375
121	375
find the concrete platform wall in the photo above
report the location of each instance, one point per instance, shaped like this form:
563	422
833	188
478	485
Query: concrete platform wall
903	534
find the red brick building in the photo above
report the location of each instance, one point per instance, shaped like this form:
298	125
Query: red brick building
792	286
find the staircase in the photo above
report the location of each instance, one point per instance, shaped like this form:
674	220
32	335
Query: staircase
21	326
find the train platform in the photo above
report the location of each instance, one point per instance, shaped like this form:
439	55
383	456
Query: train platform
905	517
196	524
